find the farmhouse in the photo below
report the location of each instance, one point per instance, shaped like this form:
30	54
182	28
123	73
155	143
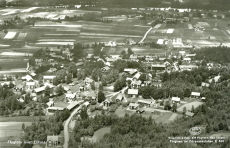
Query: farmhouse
27	78
175	100
187	67
190	55
73	105
70	97
39	90
215	79
181	53
79	64
133	92
54	109
137	76
195	94
115	56
158	67
133	57
38	61
88	80
133	106
130	70
30	85
136	83
111	44
146	102
48	79
187	59
203	84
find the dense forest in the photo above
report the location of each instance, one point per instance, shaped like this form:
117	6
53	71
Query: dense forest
214	54
195	4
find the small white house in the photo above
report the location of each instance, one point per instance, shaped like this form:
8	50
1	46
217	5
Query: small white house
175	100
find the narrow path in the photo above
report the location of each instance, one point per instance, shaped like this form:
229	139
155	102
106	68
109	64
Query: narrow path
66	127
146	35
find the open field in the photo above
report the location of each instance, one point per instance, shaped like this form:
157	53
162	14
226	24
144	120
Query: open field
19	119
11	131
12	64
189	106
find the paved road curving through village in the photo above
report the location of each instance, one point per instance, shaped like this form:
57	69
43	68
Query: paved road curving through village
66	127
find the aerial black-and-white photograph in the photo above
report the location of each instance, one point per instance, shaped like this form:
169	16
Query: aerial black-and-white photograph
114	73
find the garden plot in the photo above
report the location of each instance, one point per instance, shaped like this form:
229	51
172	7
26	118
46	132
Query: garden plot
228	31
10	11
15	54
190	26
157	26
40	14
57	25
107	35
10	35
189	106
21	36
61	17
50	16
56	40
204	24
3	45
170	31
29	9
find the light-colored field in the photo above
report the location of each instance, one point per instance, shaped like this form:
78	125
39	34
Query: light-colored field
29	9
189	106
173	117
170	31
190	26
10	35
15	54
157	26
21	36
56	25
55	43
11	131
56	40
